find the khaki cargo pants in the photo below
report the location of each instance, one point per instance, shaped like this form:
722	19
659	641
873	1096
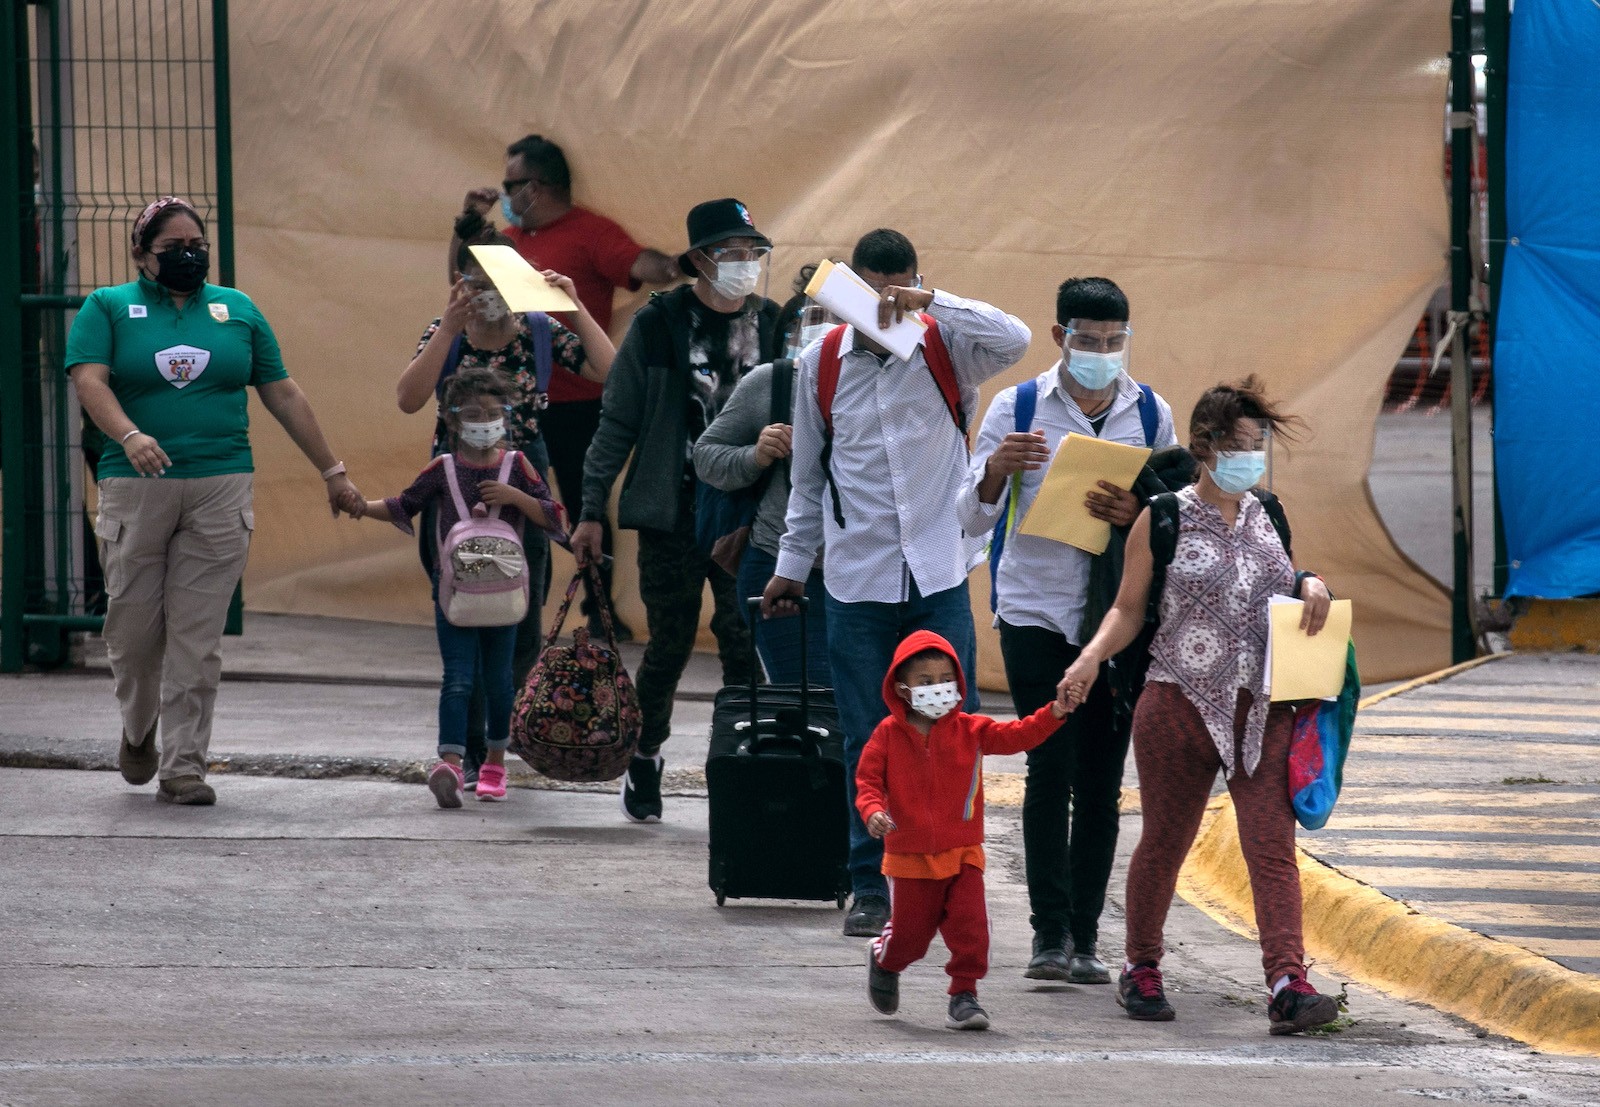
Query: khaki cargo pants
173	550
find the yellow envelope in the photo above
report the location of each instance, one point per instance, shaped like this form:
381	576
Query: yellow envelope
1298	666
1057	512
520	283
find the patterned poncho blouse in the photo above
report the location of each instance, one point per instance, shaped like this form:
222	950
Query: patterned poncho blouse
1212	641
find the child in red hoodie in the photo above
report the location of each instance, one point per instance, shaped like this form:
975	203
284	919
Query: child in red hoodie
919	787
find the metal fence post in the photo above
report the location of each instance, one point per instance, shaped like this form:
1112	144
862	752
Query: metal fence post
14	132
1463	124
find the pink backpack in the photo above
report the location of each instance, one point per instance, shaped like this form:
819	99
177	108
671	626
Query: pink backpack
483	572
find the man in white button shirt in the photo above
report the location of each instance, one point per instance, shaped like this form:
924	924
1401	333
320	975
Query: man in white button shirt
1042	591
880	506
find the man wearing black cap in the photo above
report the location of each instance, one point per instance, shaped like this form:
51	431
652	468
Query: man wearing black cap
684	353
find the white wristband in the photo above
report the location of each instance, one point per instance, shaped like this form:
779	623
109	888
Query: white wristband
130	434
336	470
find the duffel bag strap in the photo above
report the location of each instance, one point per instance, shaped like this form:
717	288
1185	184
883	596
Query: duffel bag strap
561	615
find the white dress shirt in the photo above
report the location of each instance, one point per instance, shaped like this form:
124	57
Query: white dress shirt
1043	583
899	461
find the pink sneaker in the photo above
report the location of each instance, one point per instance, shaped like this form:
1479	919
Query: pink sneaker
445	782
492	783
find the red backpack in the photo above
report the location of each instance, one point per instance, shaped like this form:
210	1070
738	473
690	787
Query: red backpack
938	361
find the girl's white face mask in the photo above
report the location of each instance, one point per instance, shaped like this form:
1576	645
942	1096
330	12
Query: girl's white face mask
934	701
480	436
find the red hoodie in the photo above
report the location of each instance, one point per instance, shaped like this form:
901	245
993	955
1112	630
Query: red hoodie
932	787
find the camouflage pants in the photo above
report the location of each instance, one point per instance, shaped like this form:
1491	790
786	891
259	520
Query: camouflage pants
672	577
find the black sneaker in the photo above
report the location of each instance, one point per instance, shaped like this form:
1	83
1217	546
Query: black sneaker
965	1014
1049	956
883	986
867	918
1298	1006
1086	968
1142	996
641	789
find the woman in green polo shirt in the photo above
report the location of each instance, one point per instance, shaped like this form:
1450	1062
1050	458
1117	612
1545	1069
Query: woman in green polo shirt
161	365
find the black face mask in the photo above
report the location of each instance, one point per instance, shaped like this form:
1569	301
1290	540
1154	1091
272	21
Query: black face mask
183	268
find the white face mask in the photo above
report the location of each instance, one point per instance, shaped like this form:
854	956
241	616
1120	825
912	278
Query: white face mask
736	279
480	436
491	306
934	701
1093	371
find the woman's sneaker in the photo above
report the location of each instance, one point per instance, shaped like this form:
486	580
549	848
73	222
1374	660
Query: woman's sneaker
1142	996
641	789
965	1014
444	781
1298	1006
492	783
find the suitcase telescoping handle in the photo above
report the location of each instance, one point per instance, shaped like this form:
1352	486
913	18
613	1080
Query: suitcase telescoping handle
754	603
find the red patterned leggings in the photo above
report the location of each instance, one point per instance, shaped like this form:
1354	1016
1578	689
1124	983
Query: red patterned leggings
1177	763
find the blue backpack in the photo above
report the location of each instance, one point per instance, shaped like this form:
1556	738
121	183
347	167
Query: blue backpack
1027	401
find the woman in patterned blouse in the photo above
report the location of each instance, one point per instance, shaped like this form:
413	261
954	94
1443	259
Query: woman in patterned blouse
1204	706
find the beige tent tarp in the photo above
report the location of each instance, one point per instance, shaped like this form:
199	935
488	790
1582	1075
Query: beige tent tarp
1262	177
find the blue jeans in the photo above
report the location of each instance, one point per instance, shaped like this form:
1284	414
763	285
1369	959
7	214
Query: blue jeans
862	638
469	652
778	640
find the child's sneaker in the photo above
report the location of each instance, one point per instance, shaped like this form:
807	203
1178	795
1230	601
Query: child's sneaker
445	783
492	783
965	1014
1142	996
883	986
1298	1006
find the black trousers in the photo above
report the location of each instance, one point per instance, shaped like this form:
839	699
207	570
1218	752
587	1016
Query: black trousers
1069	807
568	428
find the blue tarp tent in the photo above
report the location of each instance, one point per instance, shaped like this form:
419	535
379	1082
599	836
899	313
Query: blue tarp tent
1547	347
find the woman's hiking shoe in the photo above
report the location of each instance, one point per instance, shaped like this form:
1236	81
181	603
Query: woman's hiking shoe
1086	968
883	986
190	791
445	784
867	918
641	789
139	763
965	1014
1142	996
1298	1006
492	783
1049	956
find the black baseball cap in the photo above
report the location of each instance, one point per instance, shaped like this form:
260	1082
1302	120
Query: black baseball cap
718	220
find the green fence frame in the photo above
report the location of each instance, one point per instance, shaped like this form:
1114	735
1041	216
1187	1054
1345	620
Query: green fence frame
114	102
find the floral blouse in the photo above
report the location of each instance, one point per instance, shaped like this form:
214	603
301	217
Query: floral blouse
516	360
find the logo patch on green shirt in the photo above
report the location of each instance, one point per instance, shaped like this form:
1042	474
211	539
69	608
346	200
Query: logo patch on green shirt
219	312
180	365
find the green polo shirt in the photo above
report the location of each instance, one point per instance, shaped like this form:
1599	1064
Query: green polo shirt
180	375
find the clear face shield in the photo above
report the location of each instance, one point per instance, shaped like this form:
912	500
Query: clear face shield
487	305
1096	351
815	321
739	271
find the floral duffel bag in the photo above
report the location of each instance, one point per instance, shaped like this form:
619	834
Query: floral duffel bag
578	717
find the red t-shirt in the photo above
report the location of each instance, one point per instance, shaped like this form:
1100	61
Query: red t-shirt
598	255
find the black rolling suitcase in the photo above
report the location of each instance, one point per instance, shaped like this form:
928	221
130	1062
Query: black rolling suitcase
775	776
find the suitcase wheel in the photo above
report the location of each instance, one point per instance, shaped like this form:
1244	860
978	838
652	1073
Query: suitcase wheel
721	899
839	901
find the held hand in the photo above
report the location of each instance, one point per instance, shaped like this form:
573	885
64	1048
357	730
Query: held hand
1019	451
495	494
1075	684
146	456
343	496
564	284
481	200
1117	506
1317	598
880	824
776	441
777	599
896	303
454	319
586	539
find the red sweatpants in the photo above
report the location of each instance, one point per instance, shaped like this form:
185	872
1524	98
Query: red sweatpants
1178	762
953	908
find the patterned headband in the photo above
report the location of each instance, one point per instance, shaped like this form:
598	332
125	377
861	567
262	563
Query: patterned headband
155	208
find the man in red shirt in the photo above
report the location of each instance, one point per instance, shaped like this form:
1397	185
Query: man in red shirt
551	232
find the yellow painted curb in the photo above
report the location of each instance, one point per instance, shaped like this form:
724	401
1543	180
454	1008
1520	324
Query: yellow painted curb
1431	678
1382	942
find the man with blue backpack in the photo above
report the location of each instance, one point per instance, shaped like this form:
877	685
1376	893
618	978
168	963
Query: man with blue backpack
1048	599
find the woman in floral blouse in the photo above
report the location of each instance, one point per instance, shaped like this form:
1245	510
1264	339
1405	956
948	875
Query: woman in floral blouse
486	334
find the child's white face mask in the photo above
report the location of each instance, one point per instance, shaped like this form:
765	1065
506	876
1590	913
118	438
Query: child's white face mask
934	701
